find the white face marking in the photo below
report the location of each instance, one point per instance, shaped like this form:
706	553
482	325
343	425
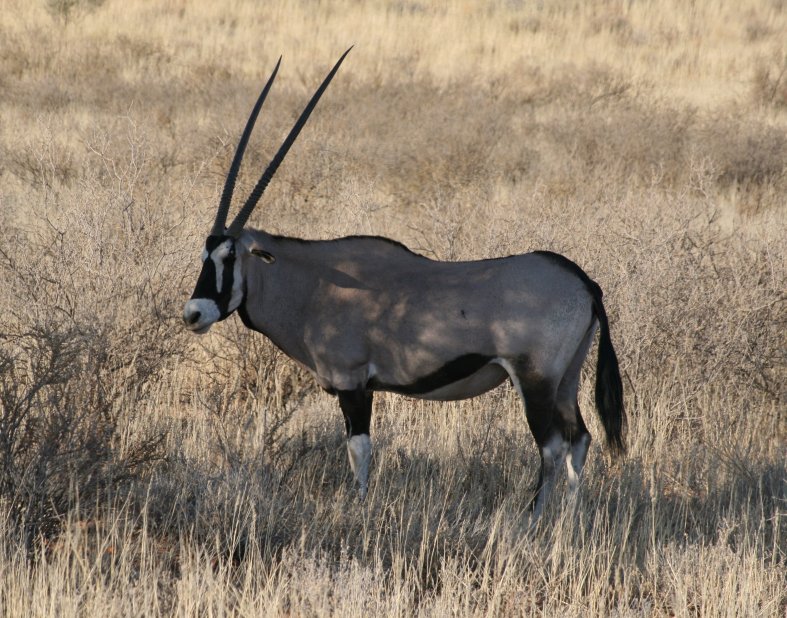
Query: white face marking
208	314
237	287
218	256
359	448
205	308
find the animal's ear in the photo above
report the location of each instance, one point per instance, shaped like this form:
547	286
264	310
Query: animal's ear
263	255
253	247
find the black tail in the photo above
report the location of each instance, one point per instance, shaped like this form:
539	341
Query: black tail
609	386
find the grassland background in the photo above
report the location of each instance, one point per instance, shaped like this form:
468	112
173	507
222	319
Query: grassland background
144	471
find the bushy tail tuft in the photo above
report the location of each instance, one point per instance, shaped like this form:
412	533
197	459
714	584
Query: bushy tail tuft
609	386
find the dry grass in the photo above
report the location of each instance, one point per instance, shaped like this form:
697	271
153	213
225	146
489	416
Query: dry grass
148	472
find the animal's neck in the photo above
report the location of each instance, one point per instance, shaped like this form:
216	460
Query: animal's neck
277	296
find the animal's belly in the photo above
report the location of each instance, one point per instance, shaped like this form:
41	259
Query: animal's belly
485	379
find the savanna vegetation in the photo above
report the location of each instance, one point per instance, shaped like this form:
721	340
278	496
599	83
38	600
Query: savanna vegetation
146	471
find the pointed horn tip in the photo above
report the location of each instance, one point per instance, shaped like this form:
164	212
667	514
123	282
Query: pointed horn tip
276	68
236	227
349	49
229	184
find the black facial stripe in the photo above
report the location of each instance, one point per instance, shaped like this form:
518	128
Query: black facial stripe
206	283
214	241
453	371
226	285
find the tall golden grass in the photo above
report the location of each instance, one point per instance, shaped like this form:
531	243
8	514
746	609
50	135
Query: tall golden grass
144	471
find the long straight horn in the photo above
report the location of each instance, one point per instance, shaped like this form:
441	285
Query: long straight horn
240	220
232	175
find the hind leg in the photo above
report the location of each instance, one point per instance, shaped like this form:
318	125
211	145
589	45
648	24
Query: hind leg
553	451
539	399
575	460
569	419
575	436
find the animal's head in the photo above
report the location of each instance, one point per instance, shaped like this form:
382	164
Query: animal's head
220	286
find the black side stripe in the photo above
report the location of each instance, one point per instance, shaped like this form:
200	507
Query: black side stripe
453	371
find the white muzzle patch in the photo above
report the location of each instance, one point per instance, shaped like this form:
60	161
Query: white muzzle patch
200	314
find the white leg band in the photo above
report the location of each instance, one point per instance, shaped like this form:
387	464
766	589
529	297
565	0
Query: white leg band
553	452
359	449
575	461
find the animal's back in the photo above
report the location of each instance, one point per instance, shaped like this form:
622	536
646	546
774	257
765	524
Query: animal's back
424	311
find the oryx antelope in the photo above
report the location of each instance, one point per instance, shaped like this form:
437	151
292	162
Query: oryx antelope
366	314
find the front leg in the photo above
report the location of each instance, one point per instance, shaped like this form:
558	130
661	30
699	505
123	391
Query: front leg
357	409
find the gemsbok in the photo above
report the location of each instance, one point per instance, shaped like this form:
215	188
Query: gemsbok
365	314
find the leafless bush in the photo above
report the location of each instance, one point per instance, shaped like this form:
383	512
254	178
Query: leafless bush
59	426
243	376
704	323
745	153
769	83
43	165
466	131
87	333
67	10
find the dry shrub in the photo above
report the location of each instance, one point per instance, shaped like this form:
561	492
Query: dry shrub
61	425
46	162
582	132
769	83
88	331
702	322
212	475
67	10
745	154
242	379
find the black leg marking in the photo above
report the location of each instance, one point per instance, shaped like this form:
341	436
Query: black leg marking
570	422
539	396
357	409
541	414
